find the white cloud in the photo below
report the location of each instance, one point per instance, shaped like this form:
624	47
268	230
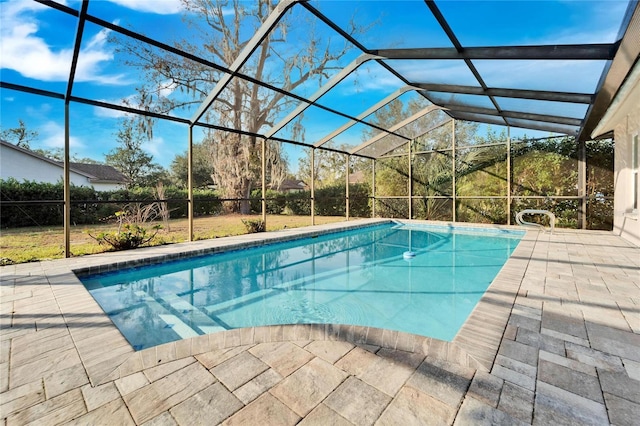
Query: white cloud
167	88
22	50
52	136
435	71
39	111
109	113
366	79
161	7
155	147
602	28
560	75
114	113
164	90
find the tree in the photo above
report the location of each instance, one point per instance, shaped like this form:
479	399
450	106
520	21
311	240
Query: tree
201	167
130	159
205	157
547	167
431	166
19	136
329	167
58	155
221	30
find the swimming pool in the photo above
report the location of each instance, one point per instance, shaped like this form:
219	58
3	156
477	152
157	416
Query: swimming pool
360	277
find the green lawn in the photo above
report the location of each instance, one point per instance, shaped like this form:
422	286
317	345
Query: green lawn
32	244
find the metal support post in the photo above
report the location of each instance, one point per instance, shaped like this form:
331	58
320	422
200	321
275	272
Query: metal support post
582	184
373	188
66	167
508	175
347	187
410	189
313	187
66	184
453	168
191	207
263	160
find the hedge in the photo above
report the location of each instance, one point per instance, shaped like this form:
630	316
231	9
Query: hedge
329	202
85	210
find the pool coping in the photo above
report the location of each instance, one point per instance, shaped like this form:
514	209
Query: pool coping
106	355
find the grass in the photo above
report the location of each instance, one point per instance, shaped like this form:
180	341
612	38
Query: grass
22	245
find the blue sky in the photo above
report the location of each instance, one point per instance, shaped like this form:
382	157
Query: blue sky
36	45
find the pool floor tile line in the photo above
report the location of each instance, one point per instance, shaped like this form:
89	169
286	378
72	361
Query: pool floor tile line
553	340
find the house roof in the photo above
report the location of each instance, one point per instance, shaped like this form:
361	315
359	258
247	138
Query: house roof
625	100
289	184
357	177
95	173
100	172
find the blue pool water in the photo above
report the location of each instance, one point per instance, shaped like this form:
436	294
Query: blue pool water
357	277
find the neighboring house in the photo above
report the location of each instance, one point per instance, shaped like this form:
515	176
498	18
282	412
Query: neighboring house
25	165
623	119
357	177
291	185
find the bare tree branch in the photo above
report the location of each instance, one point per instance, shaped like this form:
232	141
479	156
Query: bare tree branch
220	30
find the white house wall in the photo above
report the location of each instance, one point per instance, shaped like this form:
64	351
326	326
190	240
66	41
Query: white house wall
14	164
626	222
623	118
105	186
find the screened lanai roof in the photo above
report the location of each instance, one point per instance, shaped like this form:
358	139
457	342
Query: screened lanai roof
433	61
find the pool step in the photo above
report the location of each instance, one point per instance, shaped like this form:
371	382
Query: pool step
196	317
179	327
258	296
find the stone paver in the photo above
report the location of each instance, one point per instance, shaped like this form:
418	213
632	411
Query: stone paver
149	401
358	402
329	351
114	412
622	411
554	341
266	410
308	386
442	380
413	407
486	387
209	406
95	397
238	370
322	416
517	402
56	410
257	386
474	412
558	406
573	381
164	419
284	357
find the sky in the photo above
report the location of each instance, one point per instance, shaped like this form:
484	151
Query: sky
36	44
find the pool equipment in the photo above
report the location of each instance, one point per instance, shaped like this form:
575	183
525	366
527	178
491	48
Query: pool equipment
409	254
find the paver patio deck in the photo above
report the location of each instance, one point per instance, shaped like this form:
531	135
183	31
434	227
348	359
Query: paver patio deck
555	340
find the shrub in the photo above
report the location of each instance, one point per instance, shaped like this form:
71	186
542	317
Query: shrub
130	233
130	236
254	225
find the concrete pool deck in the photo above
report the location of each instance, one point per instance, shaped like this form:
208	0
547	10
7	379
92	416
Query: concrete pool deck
556	339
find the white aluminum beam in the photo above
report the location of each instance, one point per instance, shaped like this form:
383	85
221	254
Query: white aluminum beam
400	125
262	32
395	95
333	81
